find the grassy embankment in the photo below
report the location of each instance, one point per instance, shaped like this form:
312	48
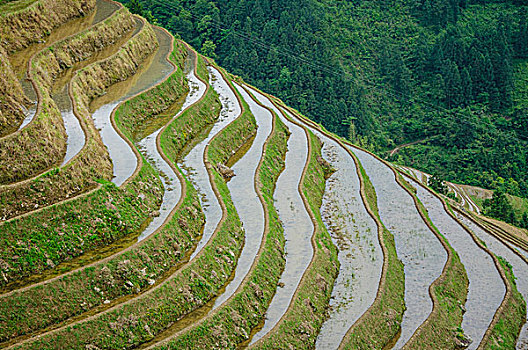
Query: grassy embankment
136	114
448	291
25	22
12	98
25	252
21	157
232	322
164	249
138	320
299	326
380	324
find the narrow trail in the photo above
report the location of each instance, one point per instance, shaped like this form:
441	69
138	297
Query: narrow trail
518	262
355	233
245	197
419	249
396	149
298	227
486	288
193	163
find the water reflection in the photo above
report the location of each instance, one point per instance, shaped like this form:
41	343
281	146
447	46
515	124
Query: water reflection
486	288
298	227
422	254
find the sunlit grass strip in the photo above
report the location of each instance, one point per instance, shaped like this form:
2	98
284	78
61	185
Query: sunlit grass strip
381	323
12	97
134	113
232	323
299	326
21	157
512	311
504	331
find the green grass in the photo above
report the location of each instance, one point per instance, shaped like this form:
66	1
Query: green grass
134	115
23	23
88	218
76	177
10	6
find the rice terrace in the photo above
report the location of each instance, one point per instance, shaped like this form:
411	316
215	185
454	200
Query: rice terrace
176	175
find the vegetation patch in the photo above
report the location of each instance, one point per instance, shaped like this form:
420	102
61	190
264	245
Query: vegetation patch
232	323
380	324
85	172
134	114
299	326
189	124
144	263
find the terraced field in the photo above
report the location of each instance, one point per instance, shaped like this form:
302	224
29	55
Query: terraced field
149	199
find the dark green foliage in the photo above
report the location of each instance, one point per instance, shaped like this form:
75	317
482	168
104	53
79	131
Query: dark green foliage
437	184
499	207
524	221
383	73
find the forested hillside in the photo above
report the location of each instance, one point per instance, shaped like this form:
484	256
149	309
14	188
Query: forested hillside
449	76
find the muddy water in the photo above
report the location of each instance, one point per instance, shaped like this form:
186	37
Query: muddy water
422	254
520	267
245	197
148	146
123	157
355	233
76	137
486	288
194	166
298	227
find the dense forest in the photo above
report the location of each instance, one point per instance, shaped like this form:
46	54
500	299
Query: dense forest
448	76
